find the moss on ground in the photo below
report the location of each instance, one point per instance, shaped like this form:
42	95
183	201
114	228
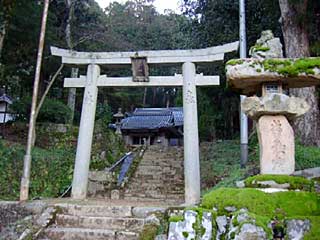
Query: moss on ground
176	218
290	67
149	232
265	207
286	67
234	62
314	233
294	182
260	221
259	48
258	202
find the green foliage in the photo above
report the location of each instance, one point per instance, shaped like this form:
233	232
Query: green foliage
306	156
51	111
315	49
294	182
51	171
220	164
104	113
107	147
49	137
217	22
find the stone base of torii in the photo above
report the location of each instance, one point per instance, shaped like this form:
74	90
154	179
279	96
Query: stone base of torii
189	80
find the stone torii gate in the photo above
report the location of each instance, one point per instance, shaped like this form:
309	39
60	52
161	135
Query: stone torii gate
188	80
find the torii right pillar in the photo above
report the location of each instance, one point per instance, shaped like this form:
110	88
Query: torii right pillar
190	135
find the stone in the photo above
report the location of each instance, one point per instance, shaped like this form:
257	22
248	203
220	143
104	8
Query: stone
153	219
273	184
143	212
247	75
272	190
267	46
297	228
115	194
191	135
275	104
95	210
36	207
243	216
100	176
240	184
230	208
276	142
250	231
103	155
206	223
178	229
94	188
222	222
47	217
79	234
308	173
161	237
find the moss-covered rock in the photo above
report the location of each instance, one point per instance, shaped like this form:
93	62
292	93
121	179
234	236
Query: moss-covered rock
293	183
149	232
292	203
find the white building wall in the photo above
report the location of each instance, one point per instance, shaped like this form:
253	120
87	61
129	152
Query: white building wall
4	117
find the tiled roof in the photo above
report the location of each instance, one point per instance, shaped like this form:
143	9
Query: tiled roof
5	98
153	118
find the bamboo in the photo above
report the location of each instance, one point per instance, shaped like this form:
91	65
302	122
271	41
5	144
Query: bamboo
25	180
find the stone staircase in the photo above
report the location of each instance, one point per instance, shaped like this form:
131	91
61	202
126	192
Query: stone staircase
95	222
159	176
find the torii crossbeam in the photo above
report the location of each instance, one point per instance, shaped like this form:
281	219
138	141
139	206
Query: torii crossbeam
188	80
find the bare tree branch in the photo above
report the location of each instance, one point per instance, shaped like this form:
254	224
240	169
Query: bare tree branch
47	90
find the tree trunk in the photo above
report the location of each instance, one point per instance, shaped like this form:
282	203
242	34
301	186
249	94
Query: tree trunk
72	95
297	45
3	28
145	97
74	71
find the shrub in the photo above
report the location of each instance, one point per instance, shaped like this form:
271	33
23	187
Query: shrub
51	171
52	110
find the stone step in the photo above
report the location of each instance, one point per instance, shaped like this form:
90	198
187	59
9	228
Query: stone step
128	224
79	234
95	210
171	201
87	234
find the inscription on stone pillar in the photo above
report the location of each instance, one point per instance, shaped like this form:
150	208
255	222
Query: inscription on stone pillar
276	142
278	148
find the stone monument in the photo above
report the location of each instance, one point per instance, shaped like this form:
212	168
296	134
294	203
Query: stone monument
270	75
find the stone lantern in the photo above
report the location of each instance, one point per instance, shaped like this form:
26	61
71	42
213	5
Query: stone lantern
118	117
273	109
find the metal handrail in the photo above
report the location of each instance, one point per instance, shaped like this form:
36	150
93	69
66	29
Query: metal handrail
118	162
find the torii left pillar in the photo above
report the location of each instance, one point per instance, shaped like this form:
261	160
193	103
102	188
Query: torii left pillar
81	169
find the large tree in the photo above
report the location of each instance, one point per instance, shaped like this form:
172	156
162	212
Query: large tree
294	19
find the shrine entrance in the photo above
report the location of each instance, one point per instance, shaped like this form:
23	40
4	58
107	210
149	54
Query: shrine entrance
140	61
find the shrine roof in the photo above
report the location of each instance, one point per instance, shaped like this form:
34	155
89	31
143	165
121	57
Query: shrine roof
5	98
153	118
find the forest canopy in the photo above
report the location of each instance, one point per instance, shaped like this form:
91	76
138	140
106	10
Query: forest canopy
136	25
